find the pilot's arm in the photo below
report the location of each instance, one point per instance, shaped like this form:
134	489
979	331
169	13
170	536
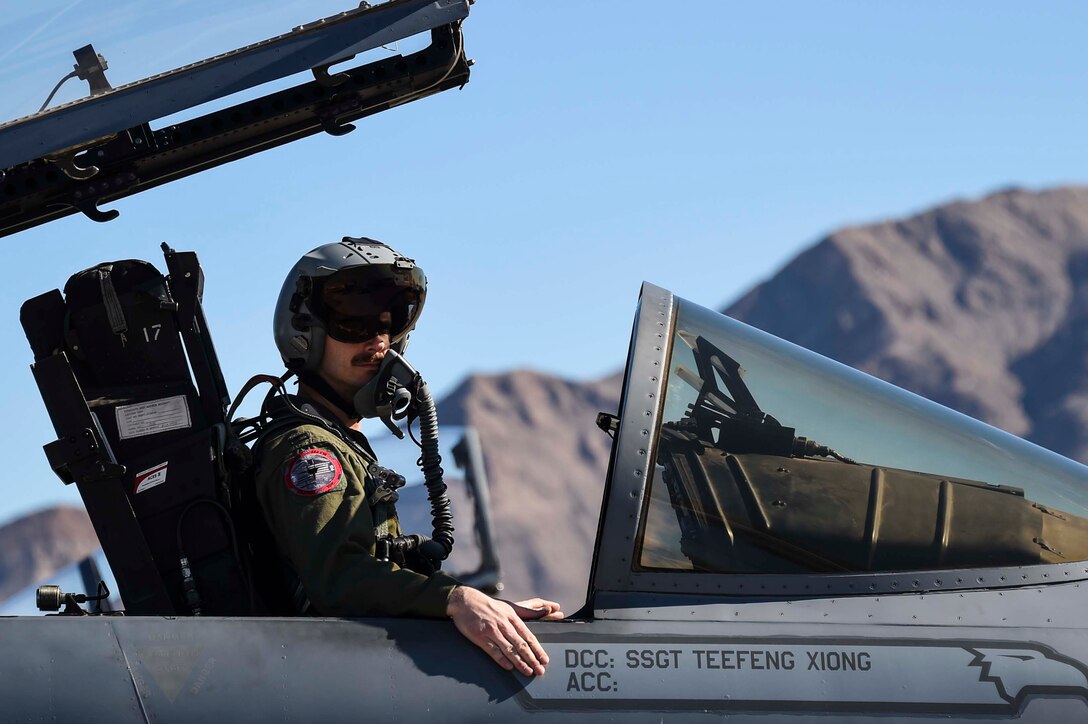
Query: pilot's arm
312	489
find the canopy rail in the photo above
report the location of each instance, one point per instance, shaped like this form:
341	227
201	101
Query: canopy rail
74	157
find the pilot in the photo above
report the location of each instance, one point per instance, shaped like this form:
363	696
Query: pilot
341	309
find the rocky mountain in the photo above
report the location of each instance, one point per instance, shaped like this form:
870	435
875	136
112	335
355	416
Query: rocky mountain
980	305
546	461
39	544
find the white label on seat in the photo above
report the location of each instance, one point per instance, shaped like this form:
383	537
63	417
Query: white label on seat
147	479
148	418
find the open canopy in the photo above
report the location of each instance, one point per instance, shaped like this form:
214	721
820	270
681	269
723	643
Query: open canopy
75	156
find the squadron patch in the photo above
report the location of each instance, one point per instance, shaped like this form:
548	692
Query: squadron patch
312	472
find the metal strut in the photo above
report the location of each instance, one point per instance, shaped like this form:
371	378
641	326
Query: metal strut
78	155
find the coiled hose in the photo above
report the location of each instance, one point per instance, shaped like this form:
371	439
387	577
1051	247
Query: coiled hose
438	548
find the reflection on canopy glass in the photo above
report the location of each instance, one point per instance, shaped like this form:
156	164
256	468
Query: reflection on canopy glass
772	459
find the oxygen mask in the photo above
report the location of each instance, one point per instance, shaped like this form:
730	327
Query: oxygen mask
394	392
390	393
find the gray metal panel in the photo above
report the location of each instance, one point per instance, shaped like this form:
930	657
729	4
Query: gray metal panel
1059	606
917	672
182	670
306	47
795	585
120	669
64	669
640	413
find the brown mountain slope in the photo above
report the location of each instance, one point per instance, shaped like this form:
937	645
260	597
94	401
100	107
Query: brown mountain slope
546	462
39	544
979	305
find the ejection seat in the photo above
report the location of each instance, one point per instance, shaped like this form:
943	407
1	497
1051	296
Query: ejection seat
115	357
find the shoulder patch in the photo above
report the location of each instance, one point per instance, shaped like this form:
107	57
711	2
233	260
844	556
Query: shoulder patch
312	472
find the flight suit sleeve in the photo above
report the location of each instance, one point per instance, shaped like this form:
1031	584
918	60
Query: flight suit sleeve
312	489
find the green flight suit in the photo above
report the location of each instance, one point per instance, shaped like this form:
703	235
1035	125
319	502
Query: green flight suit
313	489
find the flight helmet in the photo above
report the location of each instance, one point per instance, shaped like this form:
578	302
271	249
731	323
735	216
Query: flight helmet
350	290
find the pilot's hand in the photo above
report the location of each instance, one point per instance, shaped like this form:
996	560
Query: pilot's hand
537	609
495	627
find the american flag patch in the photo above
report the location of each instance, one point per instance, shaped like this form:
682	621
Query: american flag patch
313	472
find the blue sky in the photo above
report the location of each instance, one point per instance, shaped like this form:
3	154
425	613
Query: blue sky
698	145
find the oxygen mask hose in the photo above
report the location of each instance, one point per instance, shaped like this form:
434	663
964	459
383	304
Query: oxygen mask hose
438	548
382	397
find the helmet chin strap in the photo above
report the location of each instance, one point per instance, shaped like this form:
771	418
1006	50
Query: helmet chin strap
320	384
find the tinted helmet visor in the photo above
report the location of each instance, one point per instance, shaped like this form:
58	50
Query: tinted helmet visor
359	303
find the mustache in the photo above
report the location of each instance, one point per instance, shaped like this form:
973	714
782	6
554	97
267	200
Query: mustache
365	358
